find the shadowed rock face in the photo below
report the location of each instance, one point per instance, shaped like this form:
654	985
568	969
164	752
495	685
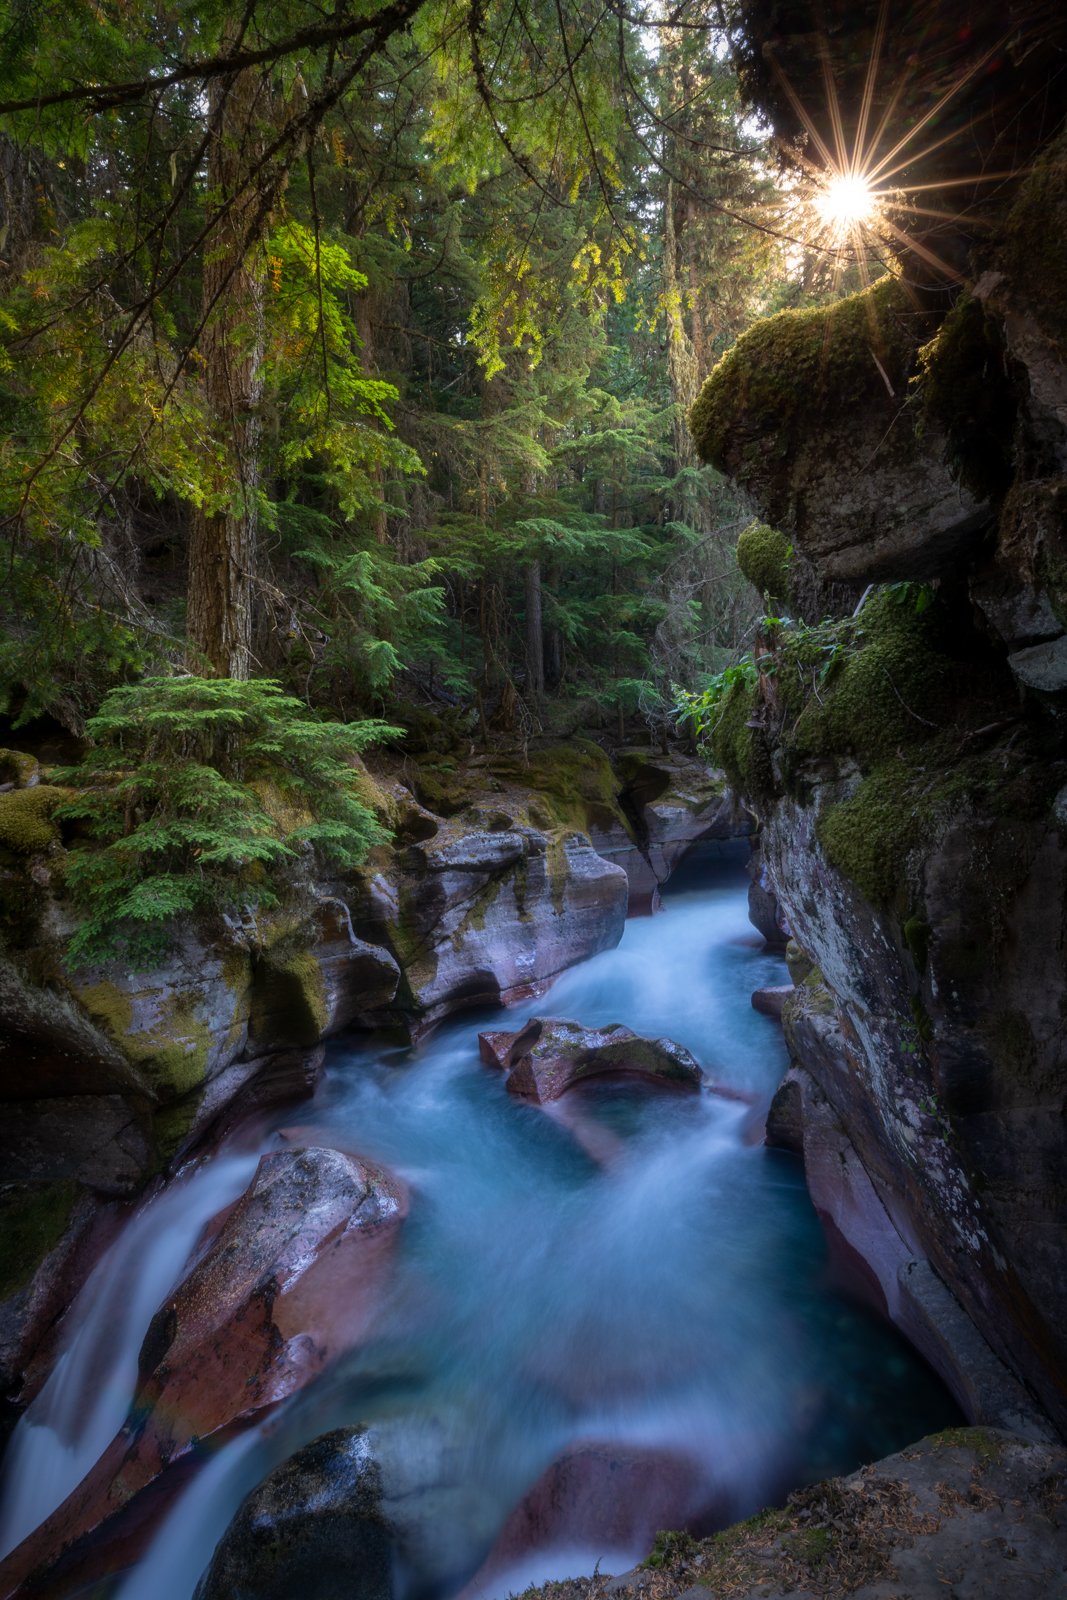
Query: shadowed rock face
546	1058
371	1512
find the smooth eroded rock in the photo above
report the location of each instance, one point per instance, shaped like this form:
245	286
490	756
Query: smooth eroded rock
289	1281
546	1058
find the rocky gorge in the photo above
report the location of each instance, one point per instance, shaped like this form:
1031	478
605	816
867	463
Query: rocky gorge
895	752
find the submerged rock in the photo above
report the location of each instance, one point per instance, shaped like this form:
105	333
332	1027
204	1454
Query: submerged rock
612	1496
546	1058
771	1002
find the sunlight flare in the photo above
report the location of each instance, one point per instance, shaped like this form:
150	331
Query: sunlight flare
846	201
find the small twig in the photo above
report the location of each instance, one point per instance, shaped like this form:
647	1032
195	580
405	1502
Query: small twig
924	720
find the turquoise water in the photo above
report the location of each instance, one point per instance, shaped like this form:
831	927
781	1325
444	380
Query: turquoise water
634	1271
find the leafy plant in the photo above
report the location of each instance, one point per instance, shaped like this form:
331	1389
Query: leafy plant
703	711
200	795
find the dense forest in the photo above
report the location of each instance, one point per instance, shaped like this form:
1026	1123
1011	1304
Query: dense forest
329	357
333	365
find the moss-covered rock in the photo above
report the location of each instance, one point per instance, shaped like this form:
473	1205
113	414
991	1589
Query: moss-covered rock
1031	253
33	1219
288	1000
800	368
965	390
764	554
172	1053
574	785
19	768
26	825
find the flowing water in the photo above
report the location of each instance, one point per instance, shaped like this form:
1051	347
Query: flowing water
634	1271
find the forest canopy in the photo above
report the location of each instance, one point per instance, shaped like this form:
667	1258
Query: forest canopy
352	348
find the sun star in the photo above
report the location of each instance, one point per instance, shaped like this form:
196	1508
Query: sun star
846	201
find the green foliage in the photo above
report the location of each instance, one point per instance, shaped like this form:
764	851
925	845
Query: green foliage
174	811
764	554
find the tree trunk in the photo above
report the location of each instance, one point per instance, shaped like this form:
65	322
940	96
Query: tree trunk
553	639
222	544
535	652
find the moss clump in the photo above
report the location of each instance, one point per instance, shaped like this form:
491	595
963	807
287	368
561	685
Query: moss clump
289	999
1032	253
440	789
575	784
870	836
18	768
671	1545
764	554
33	1219
965	390
740	746
801	370
26	825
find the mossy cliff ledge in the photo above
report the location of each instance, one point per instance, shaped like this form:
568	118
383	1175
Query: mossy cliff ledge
907	760
809	412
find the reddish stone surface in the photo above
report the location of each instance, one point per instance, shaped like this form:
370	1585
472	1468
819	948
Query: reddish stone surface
610	1496
289	1282
770	1002
546	1058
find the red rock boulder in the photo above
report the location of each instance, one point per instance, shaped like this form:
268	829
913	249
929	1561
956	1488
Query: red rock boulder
546	1058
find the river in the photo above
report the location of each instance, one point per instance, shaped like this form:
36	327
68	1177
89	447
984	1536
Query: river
667	1294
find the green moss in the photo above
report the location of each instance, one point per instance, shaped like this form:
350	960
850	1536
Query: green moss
811	1545
987	1446
740	749
800	371
965	389
764	554
558	869
109	1008
440	789
870	836
289	999
574	784
26	825
917	938
1032	250
671	1545
18	768
173	1056
33	1219
172	1125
